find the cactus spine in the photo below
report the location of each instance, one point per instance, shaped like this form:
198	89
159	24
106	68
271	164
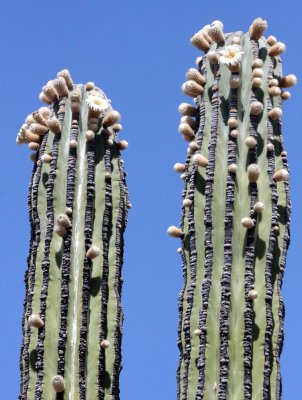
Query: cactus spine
78	200
235	226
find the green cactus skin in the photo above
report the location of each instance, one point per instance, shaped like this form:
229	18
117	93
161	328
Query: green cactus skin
235	352
77	298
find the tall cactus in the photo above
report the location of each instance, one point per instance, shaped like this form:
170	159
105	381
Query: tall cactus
235	219
77	202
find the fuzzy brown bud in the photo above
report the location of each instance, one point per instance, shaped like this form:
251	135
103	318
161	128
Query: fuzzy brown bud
274	91
256	82
216	33
187	109
111	118
178	167
104	344
256	108
232	122
186	131
58	383
35	321
258	207
275	113
213	57
235	81
285	95
288	81
281	175
50	92
54	125
93	252
198	40
271	40
247	223
46	158
187	202
67	77
257	28
63	220
257	63
200	160
253	172
175	232
191	88
253	294
122	145
188	120
276	49
193	75
250	142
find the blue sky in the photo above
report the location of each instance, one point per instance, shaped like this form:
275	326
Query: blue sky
138	53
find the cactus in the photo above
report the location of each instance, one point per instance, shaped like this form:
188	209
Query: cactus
235	219
78	200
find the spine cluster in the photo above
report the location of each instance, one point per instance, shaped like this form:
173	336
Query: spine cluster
78	201
235	219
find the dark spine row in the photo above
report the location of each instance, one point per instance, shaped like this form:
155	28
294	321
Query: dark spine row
46	265
106	233
270	251
208	223
201	123
87	266
184	274
119	244
65	270
35	234
26	275
193	263
200	120
250	252
46	261
286	241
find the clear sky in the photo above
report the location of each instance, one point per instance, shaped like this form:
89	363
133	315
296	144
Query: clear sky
138	53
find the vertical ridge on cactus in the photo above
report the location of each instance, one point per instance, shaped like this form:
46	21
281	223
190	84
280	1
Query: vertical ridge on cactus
73	282
233	248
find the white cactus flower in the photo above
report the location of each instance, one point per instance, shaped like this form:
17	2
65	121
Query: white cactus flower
231	55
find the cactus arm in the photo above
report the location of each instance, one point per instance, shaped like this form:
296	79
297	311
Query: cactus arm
112	325
96	273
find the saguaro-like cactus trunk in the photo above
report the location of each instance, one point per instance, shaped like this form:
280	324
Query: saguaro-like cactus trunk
235	218
77	202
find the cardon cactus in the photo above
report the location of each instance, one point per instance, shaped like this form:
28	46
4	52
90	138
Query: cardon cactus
77	202
234	227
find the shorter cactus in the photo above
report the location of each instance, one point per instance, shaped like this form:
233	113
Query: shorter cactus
78	204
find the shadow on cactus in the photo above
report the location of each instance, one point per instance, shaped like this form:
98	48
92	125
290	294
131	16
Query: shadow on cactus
78	201
235	218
